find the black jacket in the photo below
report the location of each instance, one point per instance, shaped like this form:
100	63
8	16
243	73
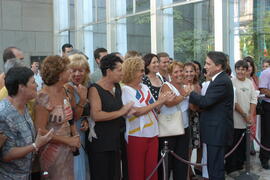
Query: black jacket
216	120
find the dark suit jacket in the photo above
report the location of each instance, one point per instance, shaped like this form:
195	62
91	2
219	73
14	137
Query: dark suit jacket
216	120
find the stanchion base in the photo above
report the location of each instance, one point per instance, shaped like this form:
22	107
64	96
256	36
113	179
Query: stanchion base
247	176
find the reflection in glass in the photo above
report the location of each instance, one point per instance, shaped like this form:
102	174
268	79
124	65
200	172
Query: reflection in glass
129	6
139	33
62	38
193	31
252	29
101	10
142	5
95	36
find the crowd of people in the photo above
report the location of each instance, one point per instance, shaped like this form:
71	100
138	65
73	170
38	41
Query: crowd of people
59	120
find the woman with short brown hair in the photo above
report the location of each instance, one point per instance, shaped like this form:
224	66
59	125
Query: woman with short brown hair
54	110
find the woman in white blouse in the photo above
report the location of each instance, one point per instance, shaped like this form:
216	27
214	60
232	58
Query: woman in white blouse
141	126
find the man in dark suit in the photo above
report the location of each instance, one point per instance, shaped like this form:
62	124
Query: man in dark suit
216	119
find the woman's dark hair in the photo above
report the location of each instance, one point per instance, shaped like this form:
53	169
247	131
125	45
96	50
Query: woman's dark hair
250	60
147	61
199	64
241	63
191	64
109	62
16	76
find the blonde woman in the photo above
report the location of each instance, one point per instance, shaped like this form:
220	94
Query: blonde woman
141	126
80	70
178	143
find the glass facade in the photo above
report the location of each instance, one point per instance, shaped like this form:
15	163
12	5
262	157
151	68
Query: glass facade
193	31
252	29
139	33
185	29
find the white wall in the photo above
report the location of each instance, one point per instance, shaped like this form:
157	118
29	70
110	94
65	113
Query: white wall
28	25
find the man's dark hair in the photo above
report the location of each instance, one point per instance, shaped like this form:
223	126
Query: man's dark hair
67	45
147	61
97	51
116	53
219	58
241	63
8	53
109	62
16	76
266	61
162	54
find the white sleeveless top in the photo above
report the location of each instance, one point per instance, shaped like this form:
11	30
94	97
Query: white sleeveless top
183	106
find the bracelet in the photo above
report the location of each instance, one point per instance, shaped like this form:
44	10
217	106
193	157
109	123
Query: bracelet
35	147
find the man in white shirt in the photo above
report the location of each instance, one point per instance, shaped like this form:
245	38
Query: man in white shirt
245	105
38	79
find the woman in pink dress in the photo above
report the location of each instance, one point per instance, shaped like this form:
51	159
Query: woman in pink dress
53	110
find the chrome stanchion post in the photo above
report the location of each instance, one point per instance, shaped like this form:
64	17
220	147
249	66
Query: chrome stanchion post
166	160
248	150
247	175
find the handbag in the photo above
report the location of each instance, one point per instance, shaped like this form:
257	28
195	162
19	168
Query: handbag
170	124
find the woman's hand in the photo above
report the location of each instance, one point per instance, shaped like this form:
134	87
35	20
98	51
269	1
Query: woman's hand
166	96
84	125
127	108
249	120
188	89
82	91
74	141
42	140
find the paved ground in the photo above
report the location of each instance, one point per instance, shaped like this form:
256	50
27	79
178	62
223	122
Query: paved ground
255	169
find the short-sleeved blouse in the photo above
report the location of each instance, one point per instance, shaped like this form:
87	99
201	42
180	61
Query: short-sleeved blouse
145	125
20	132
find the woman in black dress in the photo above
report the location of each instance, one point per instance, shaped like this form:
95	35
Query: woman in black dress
151	68
107	111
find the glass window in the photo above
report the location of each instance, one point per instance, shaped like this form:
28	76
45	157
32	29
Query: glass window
139	33
193	33
137	6
95	36
101	10
62	7
87	11
142	5
129	6
71	14
71	37
179	0
251	30
62	38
